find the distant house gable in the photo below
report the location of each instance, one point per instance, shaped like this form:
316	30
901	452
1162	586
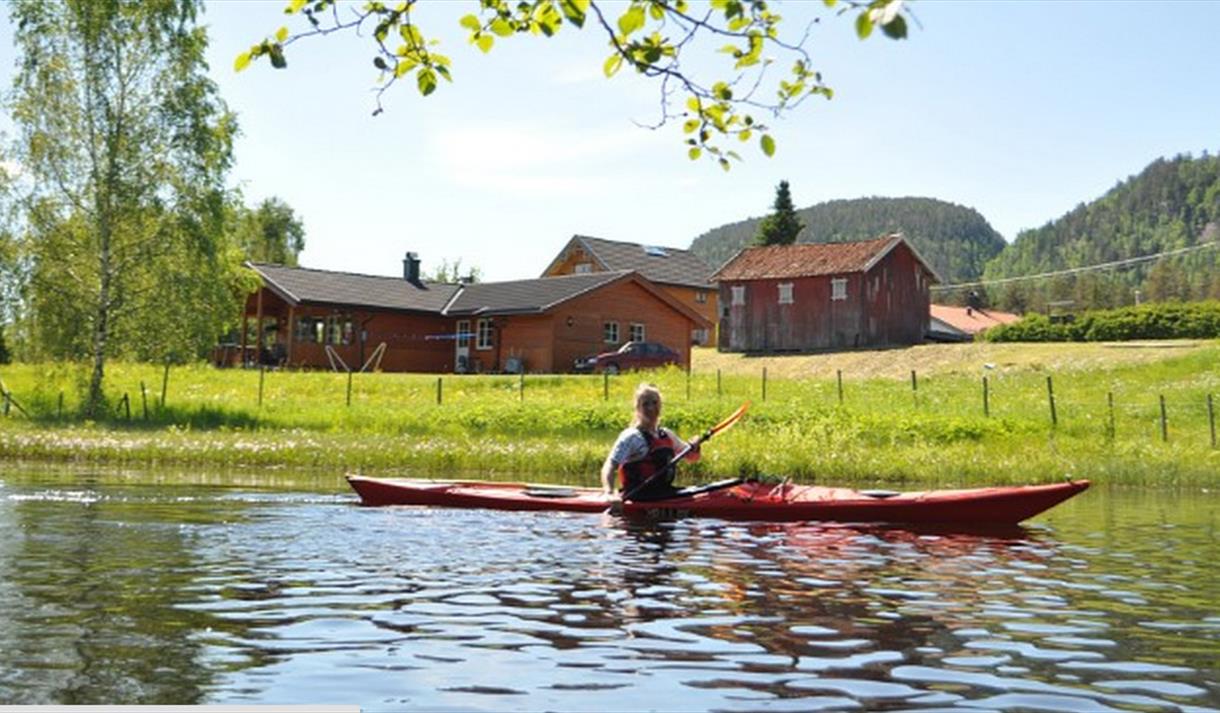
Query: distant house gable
660	264
964	323
813	259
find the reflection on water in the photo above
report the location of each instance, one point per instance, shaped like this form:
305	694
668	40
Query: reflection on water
114	591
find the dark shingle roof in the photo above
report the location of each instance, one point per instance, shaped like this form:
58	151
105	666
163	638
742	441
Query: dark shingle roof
301	284
809	259
662	265
524	296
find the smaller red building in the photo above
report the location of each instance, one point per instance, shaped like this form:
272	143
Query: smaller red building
819	296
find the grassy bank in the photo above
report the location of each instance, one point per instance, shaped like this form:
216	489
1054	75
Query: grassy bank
883	428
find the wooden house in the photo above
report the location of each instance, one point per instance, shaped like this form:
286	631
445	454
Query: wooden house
681	273
306	318
820	296
950	323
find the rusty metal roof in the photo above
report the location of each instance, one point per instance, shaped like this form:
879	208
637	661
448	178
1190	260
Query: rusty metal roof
808	259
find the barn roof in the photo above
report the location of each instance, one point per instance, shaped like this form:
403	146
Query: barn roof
813	259
969	320
662	265
298	285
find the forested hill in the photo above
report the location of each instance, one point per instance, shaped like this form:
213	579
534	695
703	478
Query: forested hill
1173	203
955	239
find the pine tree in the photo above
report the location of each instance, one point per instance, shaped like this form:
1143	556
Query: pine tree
782	226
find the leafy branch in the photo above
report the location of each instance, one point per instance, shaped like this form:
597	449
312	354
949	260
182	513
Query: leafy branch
649	36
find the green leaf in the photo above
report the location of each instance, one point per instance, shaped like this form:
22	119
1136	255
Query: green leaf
281	34
768	144
895	29
379	63
575	11
864	26
242	61
724	163
631	20
470	22
690	126
426	79
484	42
694	153
613	63
656	12
294	7
277	56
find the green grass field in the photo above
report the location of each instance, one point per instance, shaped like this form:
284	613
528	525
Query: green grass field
557	428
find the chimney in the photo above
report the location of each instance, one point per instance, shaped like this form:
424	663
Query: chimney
410	268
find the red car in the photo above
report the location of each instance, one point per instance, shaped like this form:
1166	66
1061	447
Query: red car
632	355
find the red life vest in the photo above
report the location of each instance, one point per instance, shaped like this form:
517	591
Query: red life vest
660	453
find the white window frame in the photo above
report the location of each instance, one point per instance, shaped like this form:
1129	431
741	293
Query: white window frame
463	333
582	268
785	293
610	332
738	293
838	288
637	332
701	297
485	337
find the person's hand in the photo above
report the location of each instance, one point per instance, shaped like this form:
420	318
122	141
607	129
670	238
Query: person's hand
695	443
614	501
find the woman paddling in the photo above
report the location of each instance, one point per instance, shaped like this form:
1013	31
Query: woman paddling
642	450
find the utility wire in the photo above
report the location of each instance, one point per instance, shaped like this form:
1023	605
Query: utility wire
1078	270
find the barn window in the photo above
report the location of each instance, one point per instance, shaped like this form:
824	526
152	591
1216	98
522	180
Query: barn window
739	294
785	293
699	336
838	288
483	339
610	332
637	332
701	296
583	268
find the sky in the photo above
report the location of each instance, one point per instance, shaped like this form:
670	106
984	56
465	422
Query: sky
1020	110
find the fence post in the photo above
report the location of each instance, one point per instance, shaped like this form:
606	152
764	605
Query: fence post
164	383
840	377
688	382
59	413
262	371
719	392
521	386
914	387
127	405
1211	419
144	400
349	387
764	394
1164	422
8	400
1050	394
1110	407
605	386
986	400
438	391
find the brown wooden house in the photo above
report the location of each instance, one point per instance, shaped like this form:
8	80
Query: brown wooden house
819	296
681	273
307	318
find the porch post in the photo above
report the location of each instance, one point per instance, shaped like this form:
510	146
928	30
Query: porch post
288	339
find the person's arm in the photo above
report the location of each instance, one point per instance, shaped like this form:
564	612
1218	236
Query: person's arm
693	454
609	469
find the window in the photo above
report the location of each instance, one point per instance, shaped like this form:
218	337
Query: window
701	297
484	337
304	329
610	332
739	294
637	332
338	330
698	336
838	288
785	293
463	333
582	268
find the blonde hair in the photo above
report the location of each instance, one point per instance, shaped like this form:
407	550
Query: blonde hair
643	391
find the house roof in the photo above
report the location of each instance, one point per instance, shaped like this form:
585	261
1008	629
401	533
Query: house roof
813	259
971	321
662	265
298	285
544	293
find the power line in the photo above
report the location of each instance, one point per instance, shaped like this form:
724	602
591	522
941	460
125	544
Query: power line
1078	270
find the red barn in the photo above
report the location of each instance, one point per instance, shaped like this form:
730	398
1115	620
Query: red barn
818	296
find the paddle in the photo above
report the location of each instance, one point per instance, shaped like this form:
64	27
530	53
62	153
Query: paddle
726	423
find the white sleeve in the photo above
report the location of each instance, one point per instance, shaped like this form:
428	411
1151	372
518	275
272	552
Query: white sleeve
630	446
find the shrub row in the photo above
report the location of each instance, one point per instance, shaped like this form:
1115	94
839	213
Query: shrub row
1163	320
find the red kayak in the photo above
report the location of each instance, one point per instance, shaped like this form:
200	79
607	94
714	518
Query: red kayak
739	500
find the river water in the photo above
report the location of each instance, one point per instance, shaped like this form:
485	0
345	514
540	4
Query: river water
131	588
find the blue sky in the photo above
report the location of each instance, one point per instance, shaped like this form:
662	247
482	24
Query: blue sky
1020	110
